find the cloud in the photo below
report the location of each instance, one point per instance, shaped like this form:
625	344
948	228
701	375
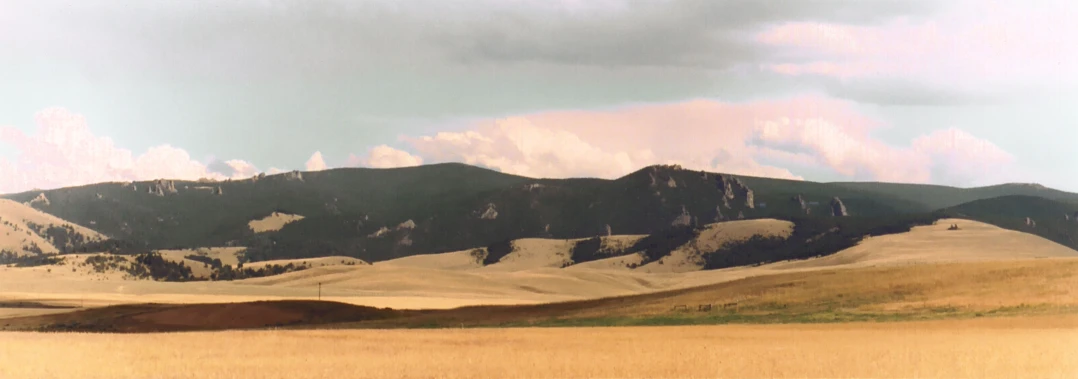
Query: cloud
316	163
708	135
959	157
64	152
969	47
383	156
517	146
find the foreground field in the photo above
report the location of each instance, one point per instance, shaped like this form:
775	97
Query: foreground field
1042	347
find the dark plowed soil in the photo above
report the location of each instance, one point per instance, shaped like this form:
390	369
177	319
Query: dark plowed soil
145	318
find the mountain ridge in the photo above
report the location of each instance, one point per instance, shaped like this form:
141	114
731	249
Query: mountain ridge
379	214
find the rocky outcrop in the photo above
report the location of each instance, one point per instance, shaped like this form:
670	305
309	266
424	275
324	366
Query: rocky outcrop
671	183
491	212
740	215
609	232
726	186
718	214
294	175
750	198
731	188
1031	222
218	191
838	209
743	191
684	219
800	201
406	225
378	233
161	187
40	199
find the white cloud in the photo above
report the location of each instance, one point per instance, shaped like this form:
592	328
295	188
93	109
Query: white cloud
383	156
316	163
64	152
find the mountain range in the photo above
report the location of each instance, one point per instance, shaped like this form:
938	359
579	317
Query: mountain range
382	214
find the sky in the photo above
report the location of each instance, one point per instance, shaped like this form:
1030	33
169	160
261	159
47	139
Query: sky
962	93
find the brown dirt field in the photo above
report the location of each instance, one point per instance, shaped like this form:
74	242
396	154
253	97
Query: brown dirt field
997	348
141	318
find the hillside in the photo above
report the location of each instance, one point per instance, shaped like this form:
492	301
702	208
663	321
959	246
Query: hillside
936	196
1052	219
25	231
382	214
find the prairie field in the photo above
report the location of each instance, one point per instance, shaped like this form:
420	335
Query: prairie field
1029	347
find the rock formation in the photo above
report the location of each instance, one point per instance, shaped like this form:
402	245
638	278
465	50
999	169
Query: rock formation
378	233
161	187
726	186
490	213
1031	222
800	201
684	219
294	175
718	214
740	215
609	232
406	225
40	199
218	191
838	208
671	183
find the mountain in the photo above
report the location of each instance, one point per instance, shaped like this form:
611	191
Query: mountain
381	214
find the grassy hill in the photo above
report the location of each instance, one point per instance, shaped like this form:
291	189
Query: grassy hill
1051	219
381	214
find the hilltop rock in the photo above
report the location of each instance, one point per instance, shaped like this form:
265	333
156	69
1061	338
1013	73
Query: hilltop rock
838	208
160	187
294	175
671	183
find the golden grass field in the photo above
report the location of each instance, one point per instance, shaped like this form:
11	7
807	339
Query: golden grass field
1041	347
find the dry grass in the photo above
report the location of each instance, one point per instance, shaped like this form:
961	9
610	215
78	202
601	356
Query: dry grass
997	348
275	221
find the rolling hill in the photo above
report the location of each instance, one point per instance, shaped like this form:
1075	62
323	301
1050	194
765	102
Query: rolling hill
28	231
